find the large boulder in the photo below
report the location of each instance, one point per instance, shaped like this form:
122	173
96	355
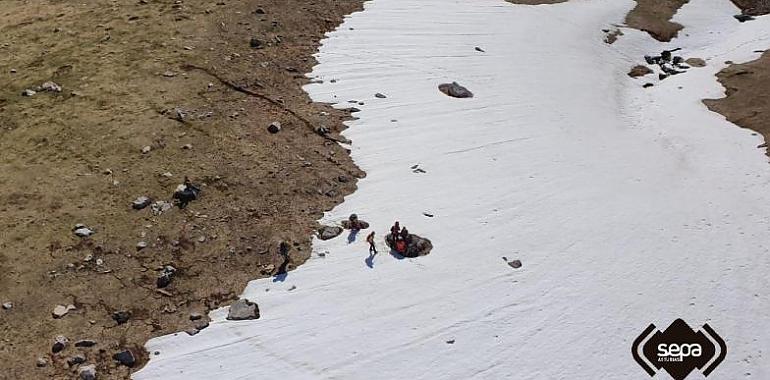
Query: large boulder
417	246
355	225
243	309
329	232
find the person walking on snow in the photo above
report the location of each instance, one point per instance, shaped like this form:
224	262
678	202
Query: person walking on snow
370	240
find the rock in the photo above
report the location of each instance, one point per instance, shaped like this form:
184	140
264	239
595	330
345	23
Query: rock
60	343
141	202
85	343
274	127
255	43
82	231
695	62
146	149
379	95
87	372
329	232
243	309
201	325
451	341
160	207
515	264
343	179
639	71
169	74
165	277
41	362
647	85
187	146
455	90
194	316
357	224
50	87
141	245
7	305
60	311
125	357
479	49
186	193
121	316
75	360
28	92
743	18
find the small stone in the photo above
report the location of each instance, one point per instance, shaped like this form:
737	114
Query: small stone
380	95
146	149
743	18
169	74
82	231
141	245
274	127
516	264
451	341
7	305
85	343
201	239
75	360
695	62
159	207
194	316
647	85
28	92
167	175
87	372
121	317
125	357
243	309
60	311
479	49
255	43
141	202
41	362
343	179
51	87
187	146
455	90
60	343
639	71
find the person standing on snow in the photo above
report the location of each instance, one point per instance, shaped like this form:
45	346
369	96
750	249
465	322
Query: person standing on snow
370	240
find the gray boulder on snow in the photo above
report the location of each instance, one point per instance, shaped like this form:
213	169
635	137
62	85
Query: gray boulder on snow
329	232
243	309
455	90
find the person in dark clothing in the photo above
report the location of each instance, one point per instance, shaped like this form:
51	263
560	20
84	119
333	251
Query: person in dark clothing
394	231
405	234
370	240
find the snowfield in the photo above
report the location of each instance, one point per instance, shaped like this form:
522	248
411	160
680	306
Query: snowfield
627	206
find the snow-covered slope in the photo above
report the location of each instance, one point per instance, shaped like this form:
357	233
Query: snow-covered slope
627	206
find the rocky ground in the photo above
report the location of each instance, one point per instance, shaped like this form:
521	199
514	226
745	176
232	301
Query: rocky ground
142	94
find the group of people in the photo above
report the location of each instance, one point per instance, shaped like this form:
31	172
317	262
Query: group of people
399	235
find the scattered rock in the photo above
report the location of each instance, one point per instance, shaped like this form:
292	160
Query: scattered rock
75	360
329	232
639	71
451	341
85	343
87	372
743	18
479	49
146	149
7	305
243	309
160	207
165	277
81	230
255	43
41	362
28	92
194	316
121	316
187	146
169	74
59	344
141	245
515	264
695	62
274	127
141	202
343	179
60	311
380	95
647	85
50	87
455	90
125	357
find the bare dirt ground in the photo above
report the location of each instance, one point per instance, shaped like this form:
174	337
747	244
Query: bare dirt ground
747	101
654	17
185	79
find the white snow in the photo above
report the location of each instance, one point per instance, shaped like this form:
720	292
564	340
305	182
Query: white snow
627	206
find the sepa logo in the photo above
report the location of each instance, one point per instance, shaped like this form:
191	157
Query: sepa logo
679	350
